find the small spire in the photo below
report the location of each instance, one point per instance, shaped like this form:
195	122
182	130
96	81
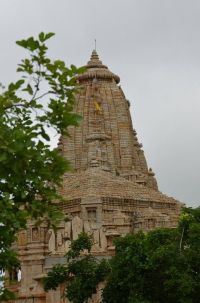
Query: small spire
97	70
94	55
94	59
95	44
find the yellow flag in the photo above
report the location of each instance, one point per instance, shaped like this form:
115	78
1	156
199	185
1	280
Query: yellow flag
97	106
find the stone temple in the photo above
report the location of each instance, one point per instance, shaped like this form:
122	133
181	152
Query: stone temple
110	191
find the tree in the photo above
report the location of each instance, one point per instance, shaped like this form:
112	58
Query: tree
30	171
162	265
82	273
151	267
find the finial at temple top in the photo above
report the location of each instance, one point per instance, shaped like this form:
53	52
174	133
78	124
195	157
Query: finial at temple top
95	44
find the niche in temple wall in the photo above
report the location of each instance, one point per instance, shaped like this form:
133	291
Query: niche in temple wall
59	242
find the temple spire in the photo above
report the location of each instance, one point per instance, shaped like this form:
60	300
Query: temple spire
95	44
94	55
94	59
96	69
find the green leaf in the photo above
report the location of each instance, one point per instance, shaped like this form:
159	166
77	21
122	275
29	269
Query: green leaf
44	135
22	43
28	89
49	35
74	68
19	83
42	37
81	69
32	44
11	87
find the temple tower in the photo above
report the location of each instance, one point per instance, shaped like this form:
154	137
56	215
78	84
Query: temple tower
109	192
106	137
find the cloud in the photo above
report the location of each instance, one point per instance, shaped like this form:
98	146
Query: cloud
153	46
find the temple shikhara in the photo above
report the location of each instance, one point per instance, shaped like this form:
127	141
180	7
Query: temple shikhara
109	192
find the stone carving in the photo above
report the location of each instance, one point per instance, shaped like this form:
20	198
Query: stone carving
77	227
22	238
35	234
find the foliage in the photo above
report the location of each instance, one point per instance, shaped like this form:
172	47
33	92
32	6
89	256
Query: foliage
6	295
151	268
81	274
148	267
38	104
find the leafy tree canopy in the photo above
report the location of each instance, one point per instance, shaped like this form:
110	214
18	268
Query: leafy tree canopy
30	171
162	265
81	274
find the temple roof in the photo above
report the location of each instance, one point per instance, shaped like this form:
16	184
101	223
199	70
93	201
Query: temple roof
98	183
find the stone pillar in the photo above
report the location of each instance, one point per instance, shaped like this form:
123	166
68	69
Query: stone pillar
32	256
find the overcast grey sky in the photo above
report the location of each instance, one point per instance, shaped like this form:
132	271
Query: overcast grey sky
153	45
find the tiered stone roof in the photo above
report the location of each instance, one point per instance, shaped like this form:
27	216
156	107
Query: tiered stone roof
95	182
